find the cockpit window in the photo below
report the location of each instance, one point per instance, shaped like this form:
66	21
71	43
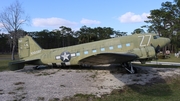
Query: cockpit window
156	37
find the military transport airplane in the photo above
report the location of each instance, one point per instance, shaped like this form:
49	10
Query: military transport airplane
120	50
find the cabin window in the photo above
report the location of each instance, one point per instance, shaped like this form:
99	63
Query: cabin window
94	50
111	47
73	54
119	46
77	54
102	49
156	37
128	44
85	52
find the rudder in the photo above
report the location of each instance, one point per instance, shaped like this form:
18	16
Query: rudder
28	47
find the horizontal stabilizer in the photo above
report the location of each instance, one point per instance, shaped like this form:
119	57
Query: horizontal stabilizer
16	65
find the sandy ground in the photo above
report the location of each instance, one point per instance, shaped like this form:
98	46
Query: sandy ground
46	84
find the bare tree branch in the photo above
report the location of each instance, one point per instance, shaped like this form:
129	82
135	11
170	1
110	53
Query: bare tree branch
12	19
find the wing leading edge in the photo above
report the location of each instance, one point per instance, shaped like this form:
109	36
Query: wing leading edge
108	58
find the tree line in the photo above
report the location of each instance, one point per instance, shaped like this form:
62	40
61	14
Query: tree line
165	21
62	37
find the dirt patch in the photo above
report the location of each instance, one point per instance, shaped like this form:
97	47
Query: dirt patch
60	83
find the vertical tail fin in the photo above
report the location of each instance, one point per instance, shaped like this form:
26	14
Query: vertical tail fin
28	47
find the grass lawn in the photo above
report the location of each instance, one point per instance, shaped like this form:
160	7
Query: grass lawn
171	59
4	60
4	65
7	57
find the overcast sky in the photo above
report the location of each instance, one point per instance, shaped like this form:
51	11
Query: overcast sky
122	15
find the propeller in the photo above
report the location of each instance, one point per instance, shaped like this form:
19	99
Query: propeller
157	49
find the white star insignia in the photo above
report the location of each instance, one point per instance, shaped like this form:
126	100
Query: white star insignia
65	56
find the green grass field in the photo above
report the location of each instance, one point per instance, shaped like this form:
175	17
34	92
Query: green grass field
171	59
4	65
4	60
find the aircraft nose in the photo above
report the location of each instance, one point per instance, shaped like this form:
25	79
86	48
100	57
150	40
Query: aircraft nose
168	40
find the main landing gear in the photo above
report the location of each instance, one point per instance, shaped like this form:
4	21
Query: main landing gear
129	67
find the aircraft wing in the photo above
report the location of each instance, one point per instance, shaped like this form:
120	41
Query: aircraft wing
108	58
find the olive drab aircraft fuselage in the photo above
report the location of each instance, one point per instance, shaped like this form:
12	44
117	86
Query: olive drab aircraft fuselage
119	50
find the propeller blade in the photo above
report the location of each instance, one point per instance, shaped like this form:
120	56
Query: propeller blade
157	49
